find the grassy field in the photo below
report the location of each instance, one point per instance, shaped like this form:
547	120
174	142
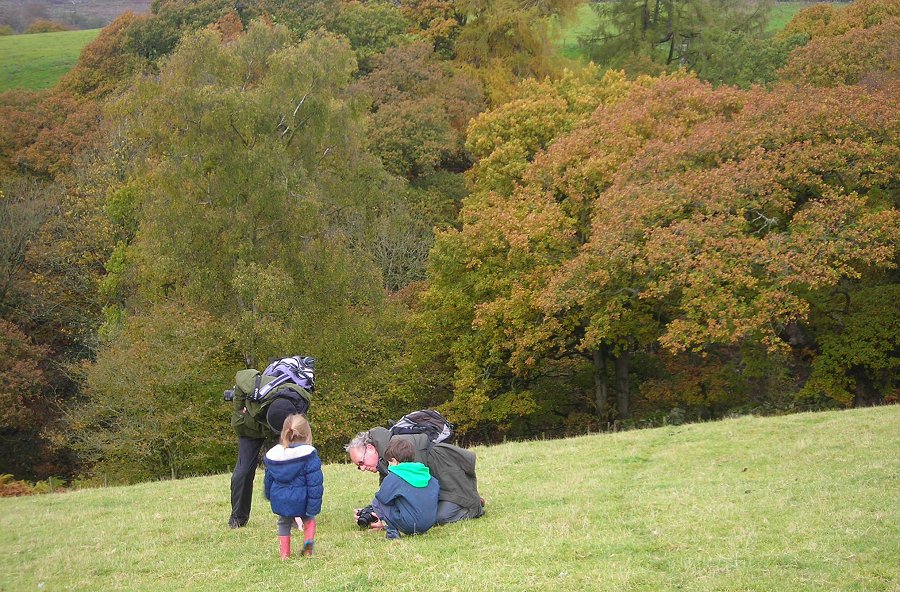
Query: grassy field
38	61
802	502
586	19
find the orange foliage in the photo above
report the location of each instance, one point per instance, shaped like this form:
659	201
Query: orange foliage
19	112
860	55
827	20
105	62
21	379
229	26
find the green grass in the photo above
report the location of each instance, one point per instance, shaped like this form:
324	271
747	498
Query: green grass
583	22
38	61
802	502
783	12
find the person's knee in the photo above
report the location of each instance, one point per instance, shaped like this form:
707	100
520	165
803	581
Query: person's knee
285	525
449	512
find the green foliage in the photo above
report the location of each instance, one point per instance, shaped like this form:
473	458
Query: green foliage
152	402
372	28
247	113
742	58
248	206
157	36
674	34
859	341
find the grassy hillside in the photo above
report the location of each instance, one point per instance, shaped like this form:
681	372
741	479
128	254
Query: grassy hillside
803	502
38	61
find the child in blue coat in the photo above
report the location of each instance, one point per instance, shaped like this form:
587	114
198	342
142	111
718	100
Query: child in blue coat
408	499
294	483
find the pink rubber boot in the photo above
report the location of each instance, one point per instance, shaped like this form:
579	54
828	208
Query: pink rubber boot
309	536
285	546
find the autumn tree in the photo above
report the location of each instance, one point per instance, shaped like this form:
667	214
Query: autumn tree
420	109
866	55
685	217
248	198
471	268
45	26
19	110
728	229
831	20
26	402
166	420
372	28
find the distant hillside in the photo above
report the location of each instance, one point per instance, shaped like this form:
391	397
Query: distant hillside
800	502
78	14
38	61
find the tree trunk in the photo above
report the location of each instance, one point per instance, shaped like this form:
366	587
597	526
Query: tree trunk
601	391
866	395
622	391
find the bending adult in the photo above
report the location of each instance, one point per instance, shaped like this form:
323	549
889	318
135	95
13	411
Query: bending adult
452	466
253	423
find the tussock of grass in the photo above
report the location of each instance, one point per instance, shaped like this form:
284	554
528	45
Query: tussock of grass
803	502
38	61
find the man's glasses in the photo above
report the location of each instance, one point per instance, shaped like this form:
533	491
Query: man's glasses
361	462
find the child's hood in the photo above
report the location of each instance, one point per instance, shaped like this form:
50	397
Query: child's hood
414	473
279	453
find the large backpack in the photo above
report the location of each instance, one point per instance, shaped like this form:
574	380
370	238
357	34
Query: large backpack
293	370
254	391
424	421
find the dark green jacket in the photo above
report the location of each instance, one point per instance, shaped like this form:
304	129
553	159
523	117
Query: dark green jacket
452	466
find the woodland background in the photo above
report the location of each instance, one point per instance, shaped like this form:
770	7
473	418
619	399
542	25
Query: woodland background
697	219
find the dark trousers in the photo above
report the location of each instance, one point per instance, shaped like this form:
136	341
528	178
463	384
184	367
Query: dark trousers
242	478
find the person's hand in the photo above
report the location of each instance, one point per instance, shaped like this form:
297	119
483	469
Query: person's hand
377	525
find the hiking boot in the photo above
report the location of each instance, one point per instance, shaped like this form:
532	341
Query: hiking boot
236	523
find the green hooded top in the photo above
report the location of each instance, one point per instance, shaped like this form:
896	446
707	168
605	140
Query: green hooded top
414	473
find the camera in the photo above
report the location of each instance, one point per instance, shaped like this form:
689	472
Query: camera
366	516
228	395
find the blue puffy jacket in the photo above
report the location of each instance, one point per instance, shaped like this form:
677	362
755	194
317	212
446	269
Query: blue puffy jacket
408	498
294	481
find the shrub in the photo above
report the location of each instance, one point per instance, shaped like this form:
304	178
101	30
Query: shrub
45	26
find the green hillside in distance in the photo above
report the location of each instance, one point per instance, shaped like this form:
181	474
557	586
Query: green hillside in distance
39	60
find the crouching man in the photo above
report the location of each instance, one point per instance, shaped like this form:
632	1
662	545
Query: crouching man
452	466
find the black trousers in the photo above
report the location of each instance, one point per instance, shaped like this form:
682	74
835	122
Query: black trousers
242	478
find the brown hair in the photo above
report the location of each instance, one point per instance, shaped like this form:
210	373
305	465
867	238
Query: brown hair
295	430
401	450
